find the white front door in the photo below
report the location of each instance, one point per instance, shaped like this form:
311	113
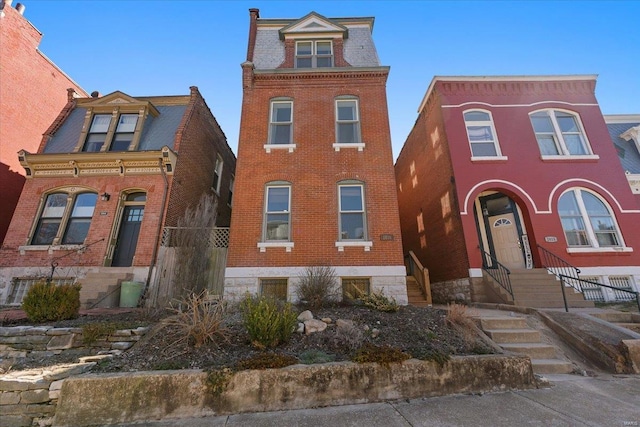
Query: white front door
506	241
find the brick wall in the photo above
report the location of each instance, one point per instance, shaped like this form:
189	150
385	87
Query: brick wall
33	90
427	200
314	169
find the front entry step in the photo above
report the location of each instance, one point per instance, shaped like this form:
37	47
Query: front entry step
513	334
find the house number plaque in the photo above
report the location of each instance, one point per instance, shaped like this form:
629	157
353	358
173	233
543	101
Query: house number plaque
551	239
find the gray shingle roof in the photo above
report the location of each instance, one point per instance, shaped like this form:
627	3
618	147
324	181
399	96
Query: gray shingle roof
627	150
157	132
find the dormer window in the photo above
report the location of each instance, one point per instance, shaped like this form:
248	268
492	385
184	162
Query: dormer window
99	139
314	54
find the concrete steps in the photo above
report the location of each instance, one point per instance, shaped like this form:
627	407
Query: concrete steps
414	294
513	334
102	289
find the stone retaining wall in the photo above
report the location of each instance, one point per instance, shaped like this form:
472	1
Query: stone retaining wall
458	290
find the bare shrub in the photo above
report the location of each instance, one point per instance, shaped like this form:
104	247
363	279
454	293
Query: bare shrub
348	337
459	317
199	320
317	286
192	243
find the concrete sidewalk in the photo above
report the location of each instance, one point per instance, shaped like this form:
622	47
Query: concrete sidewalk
606	400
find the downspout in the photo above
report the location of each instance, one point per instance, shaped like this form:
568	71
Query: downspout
159	232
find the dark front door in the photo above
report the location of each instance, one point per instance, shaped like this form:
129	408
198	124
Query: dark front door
128	236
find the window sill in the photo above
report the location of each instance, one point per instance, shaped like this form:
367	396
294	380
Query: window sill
599	250
569	157
48	248
269	147
264	245
489	158
366	245
339	145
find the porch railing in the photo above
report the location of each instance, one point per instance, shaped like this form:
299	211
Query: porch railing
582	283
498	272
559	267
421	275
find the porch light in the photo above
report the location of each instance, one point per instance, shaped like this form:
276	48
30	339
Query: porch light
105	196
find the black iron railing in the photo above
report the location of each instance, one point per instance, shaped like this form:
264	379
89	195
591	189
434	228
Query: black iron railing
581	282
559	267
498	272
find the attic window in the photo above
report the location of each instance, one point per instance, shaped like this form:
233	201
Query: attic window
314	54
104	135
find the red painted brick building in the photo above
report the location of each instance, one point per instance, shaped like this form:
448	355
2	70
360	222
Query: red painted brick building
503	165
109	174
32	92
315	169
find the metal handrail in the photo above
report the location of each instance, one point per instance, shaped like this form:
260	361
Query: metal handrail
559	267
421	275
498	272
579	282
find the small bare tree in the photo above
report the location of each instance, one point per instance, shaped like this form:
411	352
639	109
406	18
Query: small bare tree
193	245
317	286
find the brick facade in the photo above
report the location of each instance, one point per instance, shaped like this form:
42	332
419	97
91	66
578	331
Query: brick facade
30	82
313	169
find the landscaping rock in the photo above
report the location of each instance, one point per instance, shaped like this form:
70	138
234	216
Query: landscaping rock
326	320
313	325
305	315
300	329
344	324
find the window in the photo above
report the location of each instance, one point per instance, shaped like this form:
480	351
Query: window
274	288
354	287
347	121
352	220
56	216
98	135
559	133
281	122
217	174
314	54
230	202
587	221
124	132
277	214
481	134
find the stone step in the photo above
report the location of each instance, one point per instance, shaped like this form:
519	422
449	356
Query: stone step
494	323
631	326
508	336
533	350
551	366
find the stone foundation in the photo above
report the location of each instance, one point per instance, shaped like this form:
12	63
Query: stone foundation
458	290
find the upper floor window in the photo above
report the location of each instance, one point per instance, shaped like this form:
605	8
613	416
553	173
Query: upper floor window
230	202
314	54
559	133
281	123
352	218
347	121
277	213
587	220
65	218
481	134
99	139
217	174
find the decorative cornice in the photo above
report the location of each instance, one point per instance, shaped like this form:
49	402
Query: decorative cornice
634	182
98	164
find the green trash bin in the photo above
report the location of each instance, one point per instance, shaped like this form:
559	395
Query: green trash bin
130	293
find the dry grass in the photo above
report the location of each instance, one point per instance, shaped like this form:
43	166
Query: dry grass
460	317
199	320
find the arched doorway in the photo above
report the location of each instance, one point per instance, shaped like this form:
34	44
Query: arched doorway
501	231
132	212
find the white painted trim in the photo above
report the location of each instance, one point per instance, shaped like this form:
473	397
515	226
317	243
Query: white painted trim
49	248
489	158
359	145
564	158
595	184
599	250
573	104
264	245
269	147
498	181
628	270
621	118
475	272
341	245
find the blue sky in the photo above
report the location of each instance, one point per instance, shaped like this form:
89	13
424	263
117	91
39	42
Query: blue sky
163	47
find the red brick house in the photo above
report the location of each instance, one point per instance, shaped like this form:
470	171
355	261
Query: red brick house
315	169
514	171
30	82
109	174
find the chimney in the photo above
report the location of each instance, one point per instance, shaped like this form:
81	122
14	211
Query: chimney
71	94
95	94
253	29
20	8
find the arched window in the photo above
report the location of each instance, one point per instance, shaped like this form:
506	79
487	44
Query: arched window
559	133
587	220
481	134
65	217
